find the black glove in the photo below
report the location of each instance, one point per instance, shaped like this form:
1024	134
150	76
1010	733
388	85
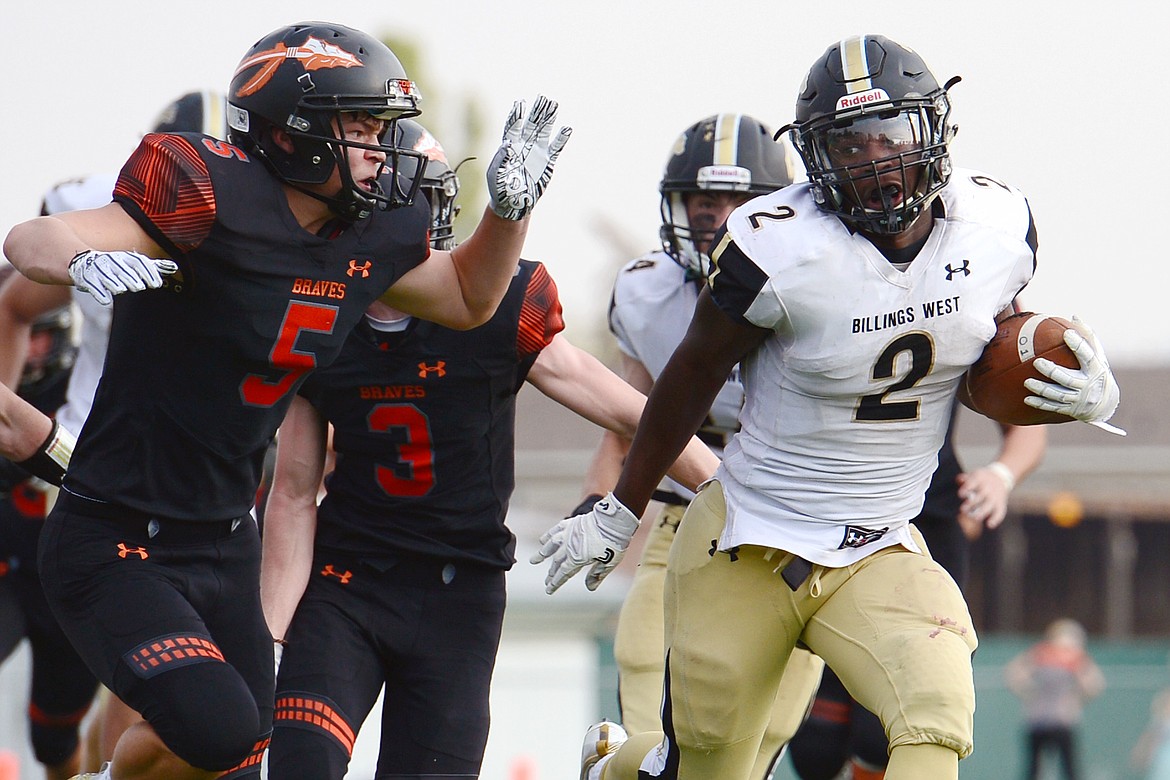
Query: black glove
586	505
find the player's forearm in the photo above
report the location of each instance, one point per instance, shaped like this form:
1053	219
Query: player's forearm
22	427
41	249
695	466
290	527
486	262
1022	449
606	466
677	406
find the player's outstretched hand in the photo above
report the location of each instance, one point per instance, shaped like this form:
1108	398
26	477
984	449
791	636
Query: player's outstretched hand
523	165
105	274
1089	394
600	536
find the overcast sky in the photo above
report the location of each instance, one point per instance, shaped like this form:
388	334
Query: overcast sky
1056	99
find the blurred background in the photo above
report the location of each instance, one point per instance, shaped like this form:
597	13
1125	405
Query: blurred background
1059	102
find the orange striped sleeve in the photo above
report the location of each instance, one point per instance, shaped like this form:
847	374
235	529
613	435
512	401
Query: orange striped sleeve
540	314
168	181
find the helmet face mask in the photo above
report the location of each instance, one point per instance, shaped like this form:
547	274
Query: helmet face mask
302	79
724	153
872	128
438	182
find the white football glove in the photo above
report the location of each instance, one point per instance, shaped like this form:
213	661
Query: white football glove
1089	394
599	536
524	162
105	274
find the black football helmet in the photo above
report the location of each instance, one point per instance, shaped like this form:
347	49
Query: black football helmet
300	79
195	112
872	127
46	362
439	185
724	152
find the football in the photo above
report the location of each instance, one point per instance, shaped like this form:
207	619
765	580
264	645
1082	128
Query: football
995	384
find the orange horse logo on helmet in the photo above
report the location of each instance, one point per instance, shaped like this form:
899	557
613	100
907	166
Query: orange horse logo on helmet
313	54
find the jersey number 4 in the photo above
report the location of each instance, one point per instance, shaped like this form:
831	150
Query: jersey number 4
877	407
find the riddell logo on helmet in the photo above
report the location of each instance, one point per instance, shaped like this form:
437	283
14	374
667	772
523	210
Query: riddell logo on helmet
313	54
876	95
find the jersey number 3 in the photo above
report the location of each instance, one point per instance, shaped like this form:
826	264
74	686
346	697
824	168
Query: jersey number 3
415	455
876	407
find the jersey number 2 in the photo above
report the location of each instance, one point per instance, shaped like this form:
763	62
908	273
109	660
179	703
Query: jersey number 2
415	454
876	407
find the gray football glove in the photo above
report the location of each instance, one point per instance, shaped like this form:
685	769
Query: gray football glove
1089	394
105	274
523	165
600	536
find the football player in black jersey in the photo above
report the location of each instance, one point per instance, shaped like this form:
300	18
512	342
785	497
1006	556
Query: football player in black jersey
62	687
402	566
23	302
251	261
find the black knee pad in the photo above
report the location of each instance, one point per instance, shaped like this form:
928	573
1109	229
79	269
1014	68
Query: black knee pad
311	738
53	745
204	713
869	737
819	750
821	746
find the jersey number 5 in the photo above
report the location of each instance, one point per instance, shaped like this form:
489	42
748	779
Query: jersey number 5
876	407
257	390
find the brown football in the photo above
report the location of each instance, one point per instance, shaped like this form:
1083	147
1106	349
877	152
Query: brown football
995	384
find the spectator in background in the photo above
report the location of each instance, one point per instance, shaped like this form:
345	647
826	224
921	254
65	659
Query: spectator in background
1054	678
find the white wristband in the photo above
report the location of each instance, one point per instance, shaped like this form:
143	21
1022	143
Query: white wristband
1004	473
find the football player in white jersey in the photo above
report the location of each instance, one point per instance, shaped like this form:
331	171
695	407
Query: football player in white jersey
717	163
23	301
853	304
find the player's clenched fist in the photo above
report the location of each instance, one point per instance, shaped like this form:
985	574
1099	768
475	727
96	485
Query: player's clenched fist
105	274
600	536
523	165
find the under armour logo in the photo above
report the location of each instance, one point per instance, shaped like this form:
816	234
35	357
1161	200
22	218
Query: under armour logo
345	577
606	556
363	269
440	368
141	552
965	268
859	537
